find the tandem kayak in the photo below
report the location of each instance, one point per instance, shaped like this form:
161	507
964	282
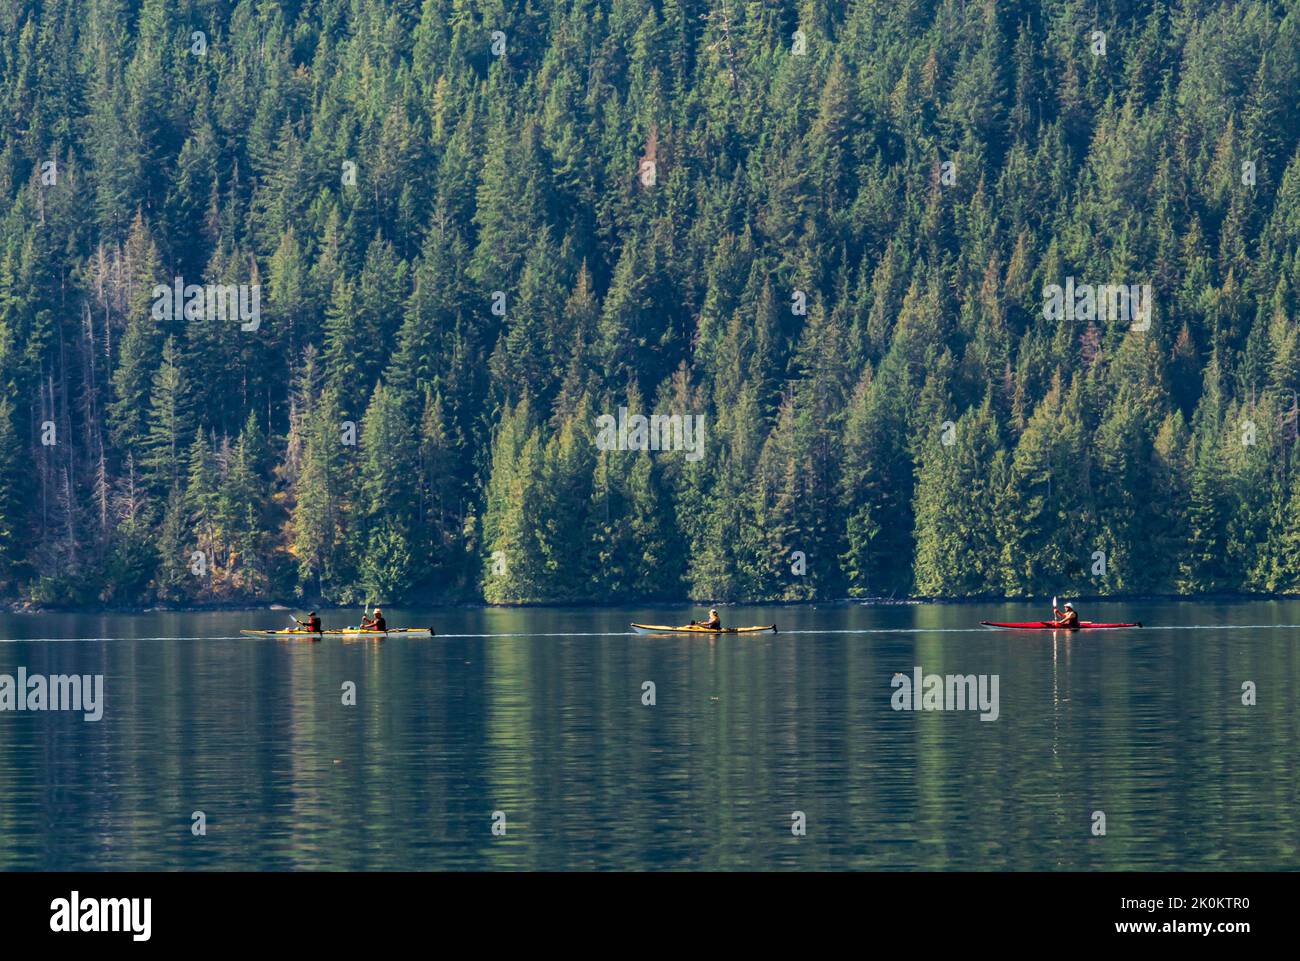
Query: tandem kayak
343	632
287	632
1049	626
697	629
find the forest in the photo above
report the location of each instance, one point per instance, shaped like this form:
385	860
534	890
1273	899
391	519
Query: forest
844	241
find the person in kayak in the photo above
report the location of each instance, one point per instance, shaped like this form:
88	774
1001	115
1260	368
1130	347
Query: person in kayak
1068	618
376	623
312	623
714	623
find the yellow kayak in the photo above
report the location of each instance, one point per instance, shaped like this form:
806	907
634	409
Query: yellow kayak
287	632
342	632
697	629
362	632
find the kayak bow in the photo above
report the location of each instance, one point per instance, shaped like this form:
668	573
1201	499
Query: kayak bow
1049	626
697	629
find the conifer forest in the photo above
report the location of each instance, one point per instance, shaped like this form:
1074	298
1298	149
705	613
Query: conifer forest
519	301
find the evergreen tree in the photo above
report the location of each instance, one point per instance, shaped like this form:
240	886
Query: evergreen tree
164	449
960	479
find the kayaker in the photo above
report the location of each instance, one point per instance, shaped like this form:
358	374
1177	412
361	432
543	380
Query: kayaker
312	623
714	623
1068	618
376	623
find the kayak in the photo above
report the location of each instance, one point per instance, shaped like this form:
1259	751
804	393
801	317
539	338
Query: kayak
697	629
1049	626
342	632
287	632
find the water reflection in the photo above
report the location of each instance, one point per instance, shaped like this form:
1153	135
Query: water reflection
537	717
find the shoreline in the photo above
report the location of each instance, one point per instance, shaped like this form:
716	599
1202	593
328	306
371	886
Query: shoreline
240	606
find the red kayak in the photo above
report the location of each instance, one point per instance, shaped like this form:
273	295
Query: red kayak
1049	626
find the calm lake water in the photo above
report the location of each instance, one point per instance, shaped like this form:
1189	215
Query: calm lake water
538	714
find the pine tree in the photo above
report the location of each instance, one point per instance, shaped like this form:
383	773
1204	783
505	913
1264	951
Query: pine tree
960	479
11	494
202	511
174	580
141	347
317	519
1048	533
515	564
170	425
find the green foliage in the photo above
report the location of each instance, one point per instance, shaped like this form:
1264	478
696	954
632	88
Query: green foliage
387	567
835	258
